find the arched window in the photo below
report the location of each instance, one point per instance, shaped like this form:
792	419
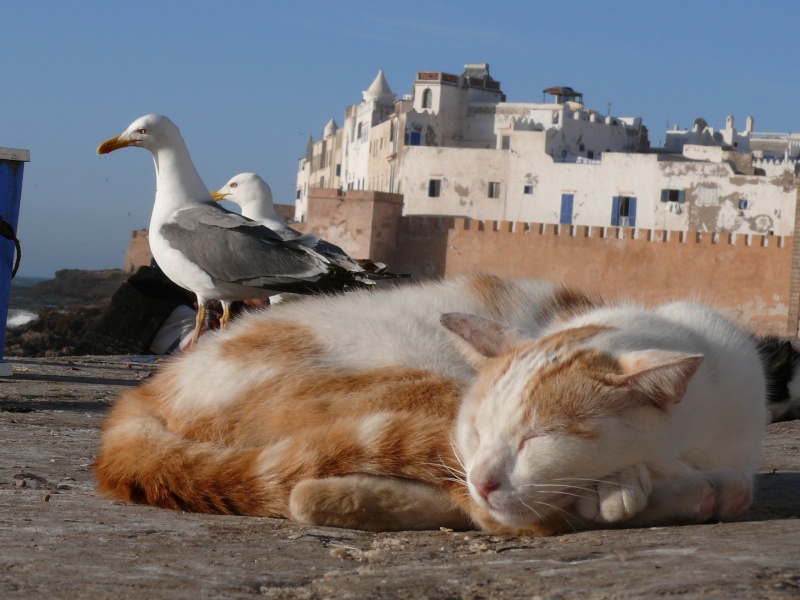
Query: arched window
427	98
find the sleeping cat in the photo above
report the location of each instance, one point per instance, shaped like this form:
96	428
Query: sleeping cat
531	409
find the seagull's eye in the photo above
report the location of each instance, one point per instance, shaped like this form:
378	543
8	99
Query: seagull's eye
234	184
141	130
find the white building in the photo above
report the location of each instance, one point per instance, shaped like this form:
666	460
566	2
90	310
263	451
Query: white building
455	147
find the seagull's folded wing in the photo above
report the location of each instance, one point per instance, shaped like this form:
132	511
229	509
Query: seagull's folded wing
234	249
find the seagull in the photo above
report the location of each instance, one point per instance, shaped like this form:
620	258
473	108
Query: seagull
254	197
215	253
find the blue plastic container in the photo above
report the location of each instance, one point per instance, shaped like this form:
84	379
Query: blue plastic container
12	162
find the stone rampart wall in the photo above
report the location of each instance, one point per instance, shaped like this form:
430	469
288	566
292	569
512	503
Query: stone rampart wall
748	276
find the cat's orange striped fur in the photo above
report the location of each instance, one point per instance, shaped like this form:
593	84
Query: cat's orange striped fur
362	411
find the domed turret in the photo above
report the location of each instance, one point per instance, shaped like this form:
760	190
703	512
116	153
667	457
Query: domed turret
330	129
379	90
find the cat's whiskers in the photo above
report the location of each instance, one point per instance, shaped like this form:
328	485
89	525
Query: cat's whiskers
457	476
453	479
552	506
455	473
591	480
457	455
529	507
590	494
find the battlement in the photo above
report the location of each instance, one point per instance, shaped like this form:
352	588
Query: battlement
747	276
411	223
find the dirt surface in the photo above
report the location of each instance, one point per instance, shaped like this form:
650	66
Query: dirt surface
60	539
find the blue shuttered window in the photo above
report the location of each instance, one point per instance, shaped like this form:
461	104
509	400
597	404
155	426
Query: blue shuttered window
615	211
623	211
567	200
631	212
669	195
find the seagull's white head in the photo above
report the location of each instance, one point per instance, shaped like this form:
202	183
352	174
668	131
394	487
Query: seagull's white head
149	131
245	189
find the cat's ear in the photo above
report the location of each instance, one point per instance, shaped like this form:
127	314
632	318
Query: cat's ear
657	377
481	338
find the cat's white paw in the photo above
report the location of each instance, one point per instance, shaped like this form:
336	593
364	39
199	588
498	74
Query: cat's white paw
734	494
618	497
689	500
722	495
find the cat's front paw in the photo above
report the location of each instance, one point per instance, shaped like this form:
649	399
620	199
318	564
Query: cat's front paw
616	498
734	494
720	495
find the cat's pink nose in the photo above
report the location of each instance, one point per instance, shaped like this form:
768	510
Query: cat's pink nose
484	486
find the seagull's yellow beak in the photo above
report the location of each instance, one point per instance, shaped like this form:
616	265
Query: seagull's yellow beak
216	195
113	144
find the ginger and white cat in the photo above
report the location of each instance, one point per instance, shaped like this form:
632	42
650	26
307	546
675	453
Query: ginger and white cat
529	409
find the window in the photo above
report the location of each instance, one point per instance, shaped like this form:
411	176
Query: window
623	211
670	195
743	204
707	196
434	188
427	98
299	192
590	154
494	189
358	136
339	170
505	142
567	201
415	138
528	189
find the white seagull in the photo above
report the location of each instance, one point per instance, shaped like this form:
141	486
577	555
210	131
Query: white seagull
213	252
254	197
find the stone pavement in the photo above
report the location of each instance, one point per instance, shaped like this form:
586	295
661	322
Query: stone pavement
60	539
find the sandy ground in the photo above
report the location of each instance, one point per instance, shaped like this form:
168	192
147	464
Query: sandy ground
60	539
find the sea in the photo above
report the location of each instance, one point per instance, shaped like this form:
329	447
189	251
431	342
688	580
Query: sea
19	316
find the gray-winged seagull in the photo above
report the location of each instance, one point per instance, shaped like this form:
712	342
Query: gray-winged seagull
254	196
213	252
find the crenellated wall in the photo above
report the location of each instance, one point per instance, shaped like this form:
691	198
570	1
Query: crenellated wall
755	279
747	276
364	224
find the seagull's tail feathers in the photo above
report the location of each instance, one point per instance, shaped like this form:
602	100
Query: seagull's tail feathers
142	461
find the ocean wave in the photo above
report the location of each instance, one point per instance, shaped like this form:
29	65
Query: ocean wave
17	317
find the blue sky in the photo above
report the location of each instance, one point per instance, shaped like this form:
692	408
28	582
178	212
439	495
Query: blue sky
248	82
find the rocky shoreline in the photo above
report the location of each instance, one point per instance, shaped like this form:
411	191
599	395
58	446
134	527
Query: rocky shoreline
65	307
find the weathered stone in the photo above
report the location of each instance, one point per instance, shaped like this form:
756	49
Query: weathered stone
83	545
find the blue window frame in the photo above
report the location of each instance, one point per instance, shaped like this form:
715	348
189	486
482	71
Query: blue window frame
623	211
567	202
670	195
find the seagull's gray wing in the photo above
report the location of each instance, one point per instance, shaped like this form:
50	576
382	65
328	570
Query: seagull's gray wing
234	249
332	252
